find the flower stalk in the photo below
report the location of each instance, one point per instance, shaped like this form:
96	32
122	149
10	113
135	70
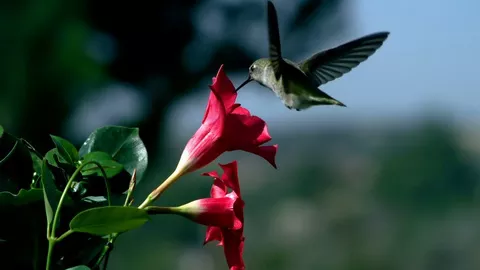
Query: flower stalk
155	194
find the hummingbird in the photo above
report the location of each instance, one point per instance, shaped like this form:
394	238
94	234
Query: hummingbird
296	84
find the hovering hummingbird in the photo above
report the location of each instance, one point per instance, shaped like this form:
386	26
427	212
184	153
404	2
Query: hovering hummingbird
296	84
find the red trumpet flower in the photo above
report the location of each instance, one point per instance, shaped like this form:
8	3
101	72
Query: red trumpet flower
226	126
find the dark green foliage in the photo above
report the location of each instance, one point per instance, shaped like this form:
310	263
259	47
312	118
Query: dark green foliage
32	187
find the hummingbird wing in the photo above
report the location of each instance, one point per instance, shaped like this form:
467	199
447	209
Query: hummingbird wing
274	48
331	64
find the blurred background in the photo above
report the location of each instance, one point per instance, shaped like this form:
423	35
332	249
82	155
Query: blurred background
390	182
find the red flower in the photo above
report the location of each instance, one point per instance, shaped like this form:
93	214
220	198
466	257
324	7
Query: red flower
214	211
231	239
226	126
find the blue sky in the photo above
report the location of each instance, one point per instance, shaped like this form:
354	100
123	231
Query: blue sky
429	61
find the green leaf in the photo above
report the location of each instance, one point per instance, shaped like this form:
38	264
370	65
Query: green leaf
1	131
110	166
109	219
95	199
35	155
66	149
60	168
123	144
52	156
79	267
23	197
49	192
16	168
37	163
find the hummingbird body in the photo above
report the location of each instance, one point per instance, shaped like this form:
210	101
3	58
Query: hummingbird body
293	87
296	84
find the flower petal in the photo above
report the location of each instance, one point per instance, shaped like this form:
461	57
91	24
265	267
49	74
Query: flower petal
237	109
217	212
213	174
230	176
243	131
225	89
233	242
215	107
238	214
267	152
219	189
213	233
206	144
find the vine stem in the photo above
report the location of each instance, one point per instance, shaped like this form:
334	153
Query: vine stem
51	235
107	249
160	189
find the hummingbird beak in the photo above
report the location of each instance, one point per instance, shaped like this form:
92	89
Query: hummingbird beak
249	79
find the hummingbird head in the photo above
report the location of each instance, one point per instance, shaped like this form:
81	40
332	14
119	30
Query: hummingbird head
255	72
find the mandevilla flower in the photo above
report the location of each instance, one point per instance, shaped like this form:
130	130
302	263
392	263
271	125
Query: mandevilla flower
213	211
226	126
222	213
231	239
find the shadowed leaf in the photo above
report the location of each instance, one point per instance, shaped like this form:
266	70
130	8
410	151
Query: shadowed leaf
49	191
79	267
122	143
23	197
109	219
14	155
66	149
110	166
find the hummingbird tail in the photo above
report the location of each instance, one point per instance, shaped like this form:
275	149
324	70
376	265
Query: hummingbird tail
326	101
340	104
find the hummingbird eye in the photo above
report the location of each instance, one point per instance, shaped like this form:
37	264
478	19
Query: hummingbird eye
252	68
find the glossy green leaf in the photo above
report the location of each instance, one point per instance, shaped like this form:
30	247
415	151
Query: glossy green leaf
110	166
53	156
49	191
60	168
79	267
66	149
123	144
109	219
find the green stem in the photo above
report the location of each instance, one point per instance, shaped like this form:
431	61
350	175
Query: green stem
51	235
131	188
61	237
157	210
107	256
106	251
107	248
51	244
160	189
153	196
